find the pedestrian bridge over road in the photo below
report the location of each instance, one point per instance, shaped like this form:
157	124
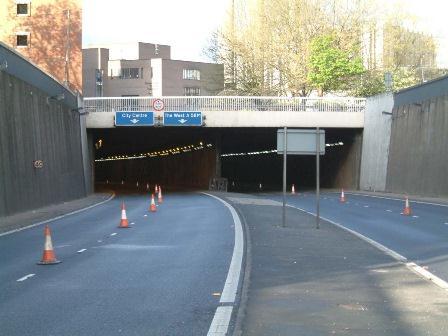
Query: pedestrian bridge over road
220	111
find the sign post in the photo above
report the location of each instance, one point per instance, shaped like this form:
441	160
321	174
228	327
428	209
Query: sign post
301	142
317	177
285	141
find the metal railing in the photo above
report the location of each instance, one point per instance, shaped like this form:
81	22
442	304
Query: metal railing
228	103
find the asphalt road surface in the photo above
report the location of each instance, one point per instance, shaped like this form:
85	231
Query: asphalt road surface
163	276
421	237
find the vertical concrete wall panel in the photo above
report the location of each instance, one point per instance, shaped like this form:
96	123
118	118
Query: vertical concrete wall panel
375	145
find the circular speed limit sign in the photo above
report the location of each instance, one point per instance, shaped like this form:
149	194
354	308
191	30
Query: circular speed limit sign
158	104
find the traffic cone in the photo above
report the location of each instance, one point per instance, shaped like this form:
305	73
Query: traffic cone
342	198
124	220
48	258
407	209
159	197
153	207
293	190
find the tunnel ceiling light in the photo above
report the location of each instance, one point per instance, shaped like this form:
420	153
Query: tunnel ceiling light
164	152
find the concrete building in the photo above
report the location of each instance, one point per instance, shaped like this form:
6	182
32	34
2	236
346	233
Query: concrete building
38	29
146	69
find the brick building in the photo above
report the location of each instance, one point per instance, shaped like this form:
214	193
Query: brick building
38	29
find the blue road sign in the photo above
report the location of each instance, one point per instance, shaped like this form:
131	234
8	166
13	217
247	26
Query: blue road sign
136	118
182	118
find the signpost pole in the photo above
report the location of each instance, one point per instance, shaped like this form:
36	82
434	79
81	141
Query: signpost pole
285	150
317	175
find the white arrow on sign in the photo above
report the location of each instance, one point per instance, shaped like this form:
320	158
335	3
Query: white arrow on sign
134	121
183	121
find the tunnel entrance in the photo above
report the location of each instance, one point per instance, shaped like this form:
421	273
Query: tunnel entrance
187	158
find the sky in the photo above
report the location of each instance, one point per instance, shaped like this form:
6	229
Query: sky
184	25
188	25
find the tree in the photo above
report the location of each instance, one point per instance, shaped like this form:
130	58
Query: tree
292	47
331	67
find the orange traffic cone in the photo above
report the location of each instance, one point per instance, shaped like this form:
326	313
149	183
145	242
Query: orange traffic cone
48	258
342	198
124	220
159	197
293	190
407	209
153	207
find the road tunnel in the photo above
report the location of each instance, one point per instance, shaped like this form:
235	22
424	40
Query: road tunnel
181	158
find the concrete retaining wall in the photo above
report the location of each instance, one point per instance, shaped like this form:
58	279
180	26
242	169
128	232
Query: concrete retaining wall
33	129
418	157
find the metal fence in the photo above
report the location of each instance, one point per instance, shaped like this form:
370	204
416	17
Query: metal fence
219	103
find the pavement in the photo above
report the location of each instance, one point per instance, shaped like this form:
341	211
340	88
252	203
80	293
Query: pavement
24	219
304	281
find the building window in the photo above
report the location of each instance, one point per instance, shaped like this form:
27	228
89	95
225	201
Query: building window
23	39
192	91
191	74
98	82
23	7
126	73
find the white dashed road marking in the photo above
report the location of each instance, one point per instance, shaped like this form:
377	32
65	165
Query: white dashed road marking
81	251
113	234
26	277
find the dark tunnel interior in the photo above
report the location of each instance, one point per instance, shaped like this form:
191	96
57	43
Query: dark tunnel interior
187	158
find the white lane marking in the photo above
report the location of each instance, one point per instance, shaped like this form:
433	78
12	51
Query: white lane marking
398	199
446	223
366	206
389	210
232	281
61	246
145	215
82	250
113	234
26	277
58	217
427	275
410	265
99	241
221	321
414	216
132	223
